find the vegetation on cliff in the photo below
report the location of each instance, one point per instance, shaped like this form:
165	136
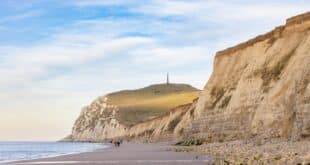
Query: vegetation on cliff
146	103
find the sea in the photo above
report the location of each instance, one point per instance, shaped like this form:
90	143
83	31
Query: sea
15	151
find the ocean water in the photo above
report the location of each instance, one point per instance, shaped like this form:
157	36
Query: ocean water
12	151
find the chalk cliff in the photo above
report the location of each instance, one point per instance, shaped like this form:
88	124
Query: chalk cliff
259	89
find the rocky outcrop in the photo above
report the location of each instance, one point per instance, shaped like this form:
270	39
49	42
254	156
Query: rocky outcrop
259	89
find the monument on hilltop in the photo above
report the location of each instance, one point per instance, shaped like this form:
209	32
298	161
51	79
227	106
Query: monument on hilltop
167	80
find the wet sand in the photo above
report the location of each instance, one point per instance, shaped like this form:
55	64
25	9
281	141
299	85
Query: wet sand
126	154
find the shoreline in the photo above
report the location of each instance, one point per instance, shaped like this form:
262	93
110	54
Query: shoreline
127	153
102	147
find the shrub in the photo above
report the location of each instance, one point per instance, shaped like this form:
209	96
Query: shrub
190	142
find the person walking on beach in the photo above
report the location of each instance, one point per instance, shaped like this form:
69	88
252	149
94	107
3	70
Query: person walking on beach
116	143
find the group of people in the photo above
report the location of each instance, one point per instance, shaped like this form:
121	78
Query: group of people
117	143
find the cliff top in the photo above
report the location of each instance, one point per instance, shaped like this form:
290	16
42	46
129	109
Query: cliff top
150	102
296	20
151	91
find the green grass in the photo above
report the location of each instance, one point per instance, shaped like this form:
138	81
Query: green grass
150	102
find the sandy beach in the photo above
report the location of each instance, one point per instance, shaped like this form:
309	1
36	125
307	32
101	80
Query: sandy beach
127	153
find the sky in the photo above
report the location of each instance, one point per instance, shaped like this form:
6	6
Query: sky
57	56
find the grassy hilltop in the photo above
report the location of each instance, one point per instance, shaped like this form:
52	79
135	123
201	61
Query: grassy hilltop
150	102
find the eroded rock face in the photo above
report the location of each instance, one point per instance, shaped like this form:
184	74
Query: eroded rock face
168	127
97	122
259	88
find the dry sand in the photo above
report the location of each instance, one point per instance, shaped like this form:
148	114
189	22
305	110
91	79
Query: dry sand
126	154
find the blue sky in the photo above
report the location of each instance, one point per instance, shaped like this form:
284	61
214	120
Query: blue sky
57	56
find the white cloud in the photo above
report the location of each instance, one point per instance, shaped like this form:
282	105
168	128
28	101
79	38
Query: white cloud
21	16
26	64
166	8
94	40
170	56
226	10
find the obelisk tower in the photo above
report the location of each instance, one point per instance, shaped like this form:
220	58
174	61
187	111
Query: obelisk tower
167	81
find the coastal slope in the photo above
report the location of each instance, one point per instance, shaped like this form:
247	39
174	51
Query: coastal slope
120	114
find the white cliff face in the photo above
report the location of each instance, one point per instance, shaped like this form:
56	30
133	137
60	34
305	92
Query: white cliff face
97	122
259	88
